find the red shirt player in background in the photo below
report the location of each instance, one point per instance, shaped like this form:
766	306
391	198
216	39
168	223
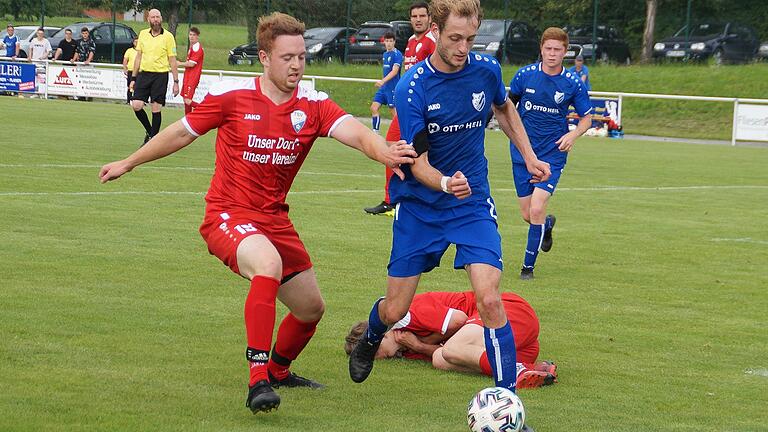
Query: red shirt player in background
266	127
420	46
193	68
444	328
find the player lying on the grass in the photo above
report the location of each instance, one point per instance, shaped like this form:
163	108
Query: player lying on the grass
266	128
445	329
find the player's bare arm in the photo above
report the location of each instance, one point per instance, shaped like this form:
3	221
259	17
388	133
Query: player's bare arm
390	75
413	343
354	134
565	143
512	125
169	140
456	185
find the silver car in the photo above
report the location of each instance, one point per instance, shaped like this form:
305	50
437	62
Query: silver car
26	33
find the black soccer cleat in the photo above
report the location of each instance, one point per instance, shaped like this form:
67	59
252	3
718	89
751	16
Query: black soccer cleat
261	398
546	244
293	380
526	428
147	137
361	360
382	208
526	273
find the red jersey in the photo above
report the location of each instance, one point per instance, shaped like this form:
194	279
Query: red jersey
260	146
192	74
418	49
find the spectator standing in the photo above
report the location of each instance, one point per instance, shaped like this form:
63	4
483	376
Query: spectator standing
67	47
391	61
193	68
155	57
40	47
580	69
86	47
11	43
128	59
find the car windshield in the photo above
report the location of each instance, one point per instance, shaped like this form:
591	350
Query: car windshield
320	33
583	31
75	31
372	32
491	28
701	30
21	33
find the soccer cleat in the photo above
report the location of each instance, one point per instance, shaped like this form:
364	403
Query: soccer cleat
361	360
526	273
293	380
261	397
147	137
546	366
534	379
526	428
382	208
546	243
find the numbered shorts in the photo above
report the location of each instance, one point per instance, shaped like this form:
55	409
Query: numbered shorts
385	97
421	235
522	179
525	327
224	230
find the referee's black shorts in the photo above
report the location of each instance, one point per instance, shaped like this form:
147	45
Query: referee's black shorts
151	85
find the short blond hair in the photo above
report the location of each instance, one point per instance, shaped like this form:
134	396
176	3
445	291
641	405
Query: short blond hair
439	10
277	24
554	33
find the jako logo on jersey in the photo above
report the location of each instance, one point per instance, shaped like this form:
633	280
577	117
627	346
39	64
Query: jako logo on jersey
433	107
478	100
530	90
559	97
252	117
298	118
433	127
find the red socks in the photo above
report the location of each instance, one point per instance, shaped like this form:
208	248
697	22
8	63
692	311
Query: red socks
485	365
259	324
292	336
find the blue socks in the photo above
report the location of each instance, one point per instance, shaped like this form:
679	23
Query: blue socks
500	347
376	123
376	328
535	236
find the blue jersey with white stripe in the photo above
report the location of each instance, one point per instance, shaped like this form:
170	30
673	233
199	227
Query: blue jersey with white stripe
543	106
10	45
389	60
453	108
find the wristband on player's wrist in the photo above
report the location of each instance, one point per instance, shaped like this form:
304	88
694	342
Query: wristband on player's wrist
175	81
133	78
444	184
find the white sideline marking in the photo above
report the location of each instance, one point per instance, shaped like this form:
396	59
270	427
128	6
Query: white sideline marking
740	240
175	168
759	372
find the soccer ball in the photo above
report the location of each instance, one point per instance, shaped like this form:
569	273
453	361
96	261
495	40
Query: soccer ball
496	409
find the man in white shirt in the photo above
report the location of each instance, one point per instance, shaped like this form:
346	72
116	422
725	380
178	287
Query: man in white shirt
39	47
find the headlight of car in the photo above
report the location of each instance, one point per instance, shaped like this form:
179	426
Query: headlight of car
493	46
231	52
764	48
314	49
698	46
659	46
587	47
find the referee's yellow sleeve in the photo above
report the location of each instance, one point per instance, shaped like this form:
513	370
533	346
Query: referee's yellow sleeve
170	45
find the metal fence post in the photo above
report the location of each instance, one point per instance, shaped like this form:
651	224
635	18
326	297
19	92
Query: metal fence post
735	121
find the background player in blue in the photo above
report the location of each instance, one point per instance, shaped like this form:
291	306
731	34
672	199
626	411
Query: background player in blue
11	43
580	69
442	104
543	91
391	61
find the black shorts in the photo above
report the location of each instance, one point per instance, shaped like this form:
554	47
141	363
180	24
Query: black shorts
151	85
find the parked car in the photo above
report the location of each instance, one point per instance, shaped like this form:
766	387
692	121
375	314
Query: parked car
762	52
609	46
101	33
327	43
367	45
26	34
244	54
722	42
519	45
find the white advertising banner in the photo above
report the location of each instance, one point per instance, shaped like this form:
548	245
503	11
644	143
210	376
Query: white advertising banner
86	81
752	122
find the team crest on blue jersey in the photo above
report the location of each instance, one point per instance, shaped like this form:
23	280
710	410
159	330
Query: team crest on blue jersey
298	118
478	100
559	97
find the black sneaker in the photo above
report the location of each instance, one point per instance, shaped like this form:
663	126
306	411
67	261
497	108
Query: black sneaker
293	380
361	360
526	428
382	208
526	273
147	137
546	244
261	397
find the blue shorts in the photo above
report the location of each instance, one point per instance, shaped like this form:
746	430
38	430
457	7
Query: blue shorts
385	96
422	234
522	180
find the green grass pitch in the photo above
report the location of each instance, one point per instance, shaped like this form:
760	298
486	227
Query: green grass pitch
653	300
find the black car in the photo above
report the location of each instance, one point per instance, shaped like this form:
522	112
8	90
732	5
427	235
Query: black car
327	43
519	45
609	46
101	33
244	54
368	44
722	42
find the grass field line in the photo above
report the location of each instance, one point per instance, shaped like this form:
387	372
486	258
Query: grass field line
179	168
740	240
352	191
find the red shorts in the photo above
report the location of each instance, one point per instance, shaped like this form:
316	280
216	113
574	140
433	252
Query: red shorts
525	326
224	230
188	91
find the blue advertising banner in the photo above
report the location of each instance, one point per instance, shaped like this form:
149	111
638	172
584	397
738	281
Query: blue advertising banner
17	77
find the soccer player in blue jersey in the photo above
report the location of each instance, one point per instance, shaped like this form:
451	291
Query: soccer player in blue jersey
391	60
543	91
445	199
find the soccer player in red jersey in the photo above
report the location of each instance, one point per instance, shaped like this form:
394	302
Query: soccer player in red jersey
193	68
445	329
420	45
266	127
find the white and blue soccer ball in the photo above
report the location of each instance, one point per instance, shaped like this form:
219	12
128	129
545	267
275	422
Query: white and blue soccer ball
496	409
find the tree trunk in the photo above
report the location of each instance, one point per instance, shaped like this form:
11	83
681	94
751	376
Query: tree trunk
173	19
650	26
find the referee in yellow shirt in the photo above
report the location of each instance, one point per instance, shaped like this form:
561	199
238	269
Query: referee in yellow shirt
155	57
